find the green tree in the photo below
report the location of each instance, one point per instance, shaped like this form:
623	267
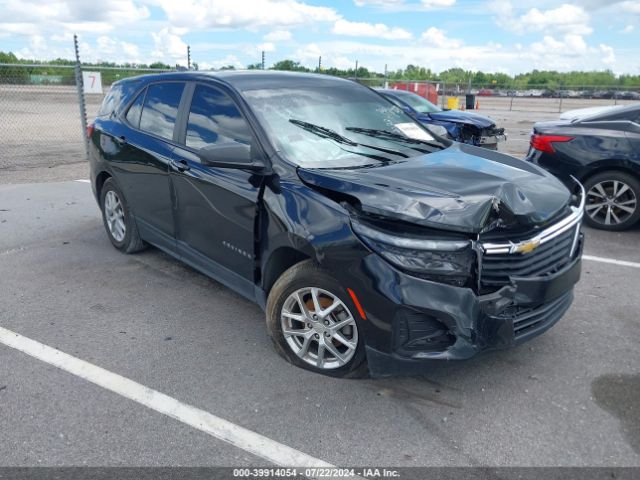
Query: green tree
160	65
8	57
289	65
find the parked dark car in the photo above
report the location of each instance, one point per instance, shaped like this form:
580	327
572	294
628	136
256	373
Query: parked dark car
368	242
603	152
465	127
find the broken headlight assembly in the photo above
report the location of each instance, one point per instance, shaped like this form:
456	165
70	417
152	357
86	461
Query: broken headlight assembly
439	260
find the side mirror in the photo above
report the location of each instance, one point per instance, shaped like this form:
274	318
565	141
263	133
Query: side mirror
231	155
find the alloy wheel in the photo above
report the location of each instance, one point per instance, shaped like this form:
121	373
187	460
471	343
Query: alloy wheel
114	214
319	328
611	202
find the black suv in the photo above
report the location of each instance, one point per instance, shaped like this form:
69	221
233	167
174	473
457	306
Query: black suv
368	241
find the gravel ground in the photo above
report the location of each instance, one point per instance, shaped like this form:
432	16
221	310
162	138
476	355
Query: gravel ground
40	126
57	173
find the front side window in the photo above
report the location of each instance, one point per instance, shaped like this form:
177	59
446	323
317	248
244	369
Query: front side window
161	108
214	119
419	104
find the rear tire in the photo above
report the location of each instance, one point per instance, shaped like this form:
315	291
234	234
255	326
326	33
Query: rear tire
310	303
612	201
117	219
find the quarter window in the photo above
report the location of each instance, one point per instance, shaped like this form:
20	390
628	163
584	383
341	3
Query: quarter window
161	108
214	119
110	101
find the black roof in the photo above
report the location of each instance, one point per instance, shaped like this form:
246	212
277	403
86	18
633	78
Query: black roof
244	80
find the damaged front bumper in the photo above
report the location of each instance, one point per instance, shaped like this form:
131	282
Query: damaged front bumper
441	322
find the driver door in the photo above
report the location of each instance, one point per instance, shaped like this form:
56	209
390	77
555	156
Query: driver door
215	208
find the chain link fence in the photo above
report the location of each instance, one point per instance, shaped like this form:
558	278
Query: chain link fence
39	117
40	120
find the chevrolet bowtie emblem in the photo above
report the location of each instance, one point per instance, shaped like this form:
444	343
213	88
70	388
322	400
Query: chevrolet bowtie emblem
525	247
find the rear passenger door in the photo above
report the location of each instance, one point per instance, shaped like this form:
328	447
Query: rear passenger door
215	207
142	166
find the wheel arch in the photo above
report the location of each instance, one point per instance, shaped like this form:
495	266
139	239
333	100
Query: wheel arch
102	177
278	262
608	166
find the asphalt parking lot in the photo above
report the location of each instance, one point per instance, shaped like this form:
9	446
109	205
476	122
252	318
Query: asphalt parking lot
568	398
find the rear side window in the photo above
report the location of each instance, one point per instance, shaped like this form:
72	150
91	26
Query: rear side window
133	115
161	108
214	119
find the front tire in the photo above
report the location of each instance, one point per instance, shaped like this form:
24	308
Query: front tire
310	319
118	222
612	201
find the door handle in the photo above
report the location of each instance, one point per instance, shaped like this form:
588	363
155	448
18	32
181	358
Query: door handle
179	165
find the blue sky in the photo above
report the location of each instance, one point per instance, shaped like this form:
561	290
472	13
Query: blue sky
509	36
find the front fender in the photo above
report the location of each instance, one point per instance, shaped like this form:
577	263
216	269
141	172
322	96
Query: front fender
296	216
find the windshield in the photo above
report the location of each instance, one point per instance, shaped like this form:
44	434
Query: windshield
419	104
338	126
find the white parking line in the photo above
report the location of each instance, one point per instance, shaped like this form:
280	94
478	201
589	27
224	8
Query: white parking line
83	180
613	261
217	427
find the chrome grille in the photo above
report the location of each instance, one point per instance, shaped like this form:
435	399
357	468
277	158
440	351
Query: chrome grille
546	259
543	254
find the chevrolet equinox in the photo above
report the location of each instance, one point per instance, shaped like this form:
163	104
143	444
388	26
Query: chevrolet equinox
373	245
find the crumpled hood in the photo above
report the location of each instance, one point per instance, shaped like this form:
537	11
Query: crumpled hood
462	188
458	116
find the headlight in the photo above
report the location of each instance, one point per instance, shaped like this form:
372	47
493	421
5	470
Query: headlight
448	261
438	130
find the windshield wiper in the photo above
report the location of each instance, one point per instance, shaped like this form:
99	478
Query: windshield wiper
325	132
386	134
